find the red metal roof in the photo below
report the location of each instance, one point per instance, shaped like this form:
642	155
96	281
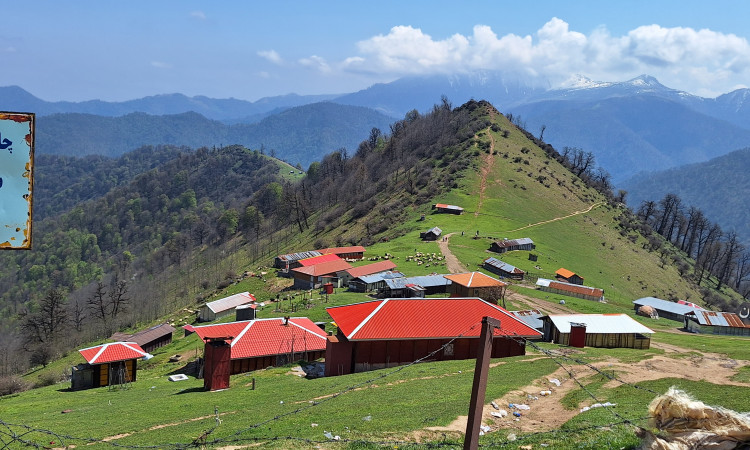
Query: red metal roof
474	279
325	268
369	269
412	318
263	337
577	289
319	259
112	352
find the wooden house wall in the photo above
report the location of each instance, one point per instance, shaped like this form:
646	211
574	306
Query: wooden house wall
101	372
695	327
568	293
158	342
603	340
500	272
261	362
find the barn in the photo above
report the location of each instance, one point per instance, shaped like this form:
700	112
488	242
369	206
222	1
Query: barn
596	330
291	260
107	364
313	277
150	339
368	269
714	322
475	284
375	282
351	253
571	290
431	235
568	276
391	332
416	286
223	307
507	245
447	209
664	308
503	269
261	343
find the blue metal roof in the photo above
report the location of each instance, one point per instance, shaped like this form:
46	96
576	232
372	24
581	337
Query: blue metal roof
424	281
664	305
377	277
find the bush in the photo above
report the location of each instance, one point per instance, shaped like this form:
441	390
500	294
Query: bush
13	384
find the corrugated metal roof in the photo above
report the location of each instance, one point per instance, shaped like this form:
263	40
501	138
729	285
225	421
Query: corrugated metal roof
444	206
435	230
325	268
424	281
369	269
418	318
299	255
264	337
664	305
475	279
600	323
307	262
513	242
532	317
144	337
717	318
374	278
494	262
230	302
570	287
342	250
112	352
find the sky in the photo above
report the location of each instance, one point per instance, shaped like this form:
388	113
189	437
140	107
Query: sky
123	50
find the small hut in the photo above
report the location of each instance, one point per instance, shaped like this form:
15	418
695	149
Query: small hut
107	364
431	235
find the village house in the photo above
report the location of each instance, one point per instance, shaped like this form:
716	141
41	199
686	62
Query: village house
663	308
476	284
531	317
107	364
503	269
571	290
507	245
351	253
391	332
714	322
261	343
290	261
448	209
567	276
315	276
150	339
346	276
596	330
418	286
223	307
431	235
373	283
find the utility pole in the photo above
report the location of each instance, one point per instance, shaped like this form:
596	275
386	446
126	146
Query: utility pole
471	440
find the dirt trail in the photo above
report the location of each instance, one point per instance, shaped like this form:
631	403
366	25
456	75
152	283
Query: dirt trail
488	162
451	262
583	211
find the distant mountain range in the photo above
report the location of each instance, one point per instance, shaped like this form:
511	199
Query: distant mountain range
719	187
633	126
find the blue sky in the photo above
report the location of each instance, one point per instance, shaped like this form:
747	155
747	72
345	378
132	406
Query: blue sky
83	50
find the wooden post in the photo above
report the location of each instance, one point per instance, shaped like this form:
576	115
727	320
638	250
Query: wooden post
471	440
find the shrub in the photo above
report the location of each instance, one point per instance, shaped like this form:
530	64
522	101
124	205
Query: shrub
13	384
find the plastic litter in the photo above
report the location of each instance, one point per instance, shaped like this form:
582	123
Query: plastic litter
495	405
313	425
484	429
367	418
523	407
511	405
511	437
516	413
545	393
554	381
328	435
597	405
502	413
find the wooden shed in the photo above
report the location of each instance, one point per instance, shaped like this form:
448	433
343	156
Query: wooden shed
476	284
350	253
224	307
150	339
715	322
108	364
431	235
568	276
665	309
391	332
600	330
507	245
447	209
503	269
569	289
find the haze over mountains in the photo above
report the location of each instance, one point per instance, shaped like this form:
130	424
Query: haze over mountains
633	126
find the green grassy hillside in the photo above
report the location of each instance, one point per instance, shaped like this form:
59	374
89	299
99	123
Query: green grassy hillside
510	189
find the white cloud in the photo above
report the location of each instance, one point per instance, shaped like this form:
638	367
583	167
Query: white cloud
687	58
316	62
198	15
161	65
271	55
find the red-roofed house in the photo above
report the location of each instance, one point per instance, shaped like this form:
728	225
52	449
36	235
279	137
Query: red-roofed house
108	364
352	253
476	284
568	276
391	332
368	269
257	344
314	276
328	257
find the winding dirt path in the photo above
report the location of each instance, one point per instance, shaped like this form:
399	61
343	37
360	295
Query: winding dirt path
583	211
451	262
488	162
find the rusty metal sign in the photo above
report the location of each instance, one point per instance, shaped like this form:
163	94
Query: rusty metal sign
16	179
